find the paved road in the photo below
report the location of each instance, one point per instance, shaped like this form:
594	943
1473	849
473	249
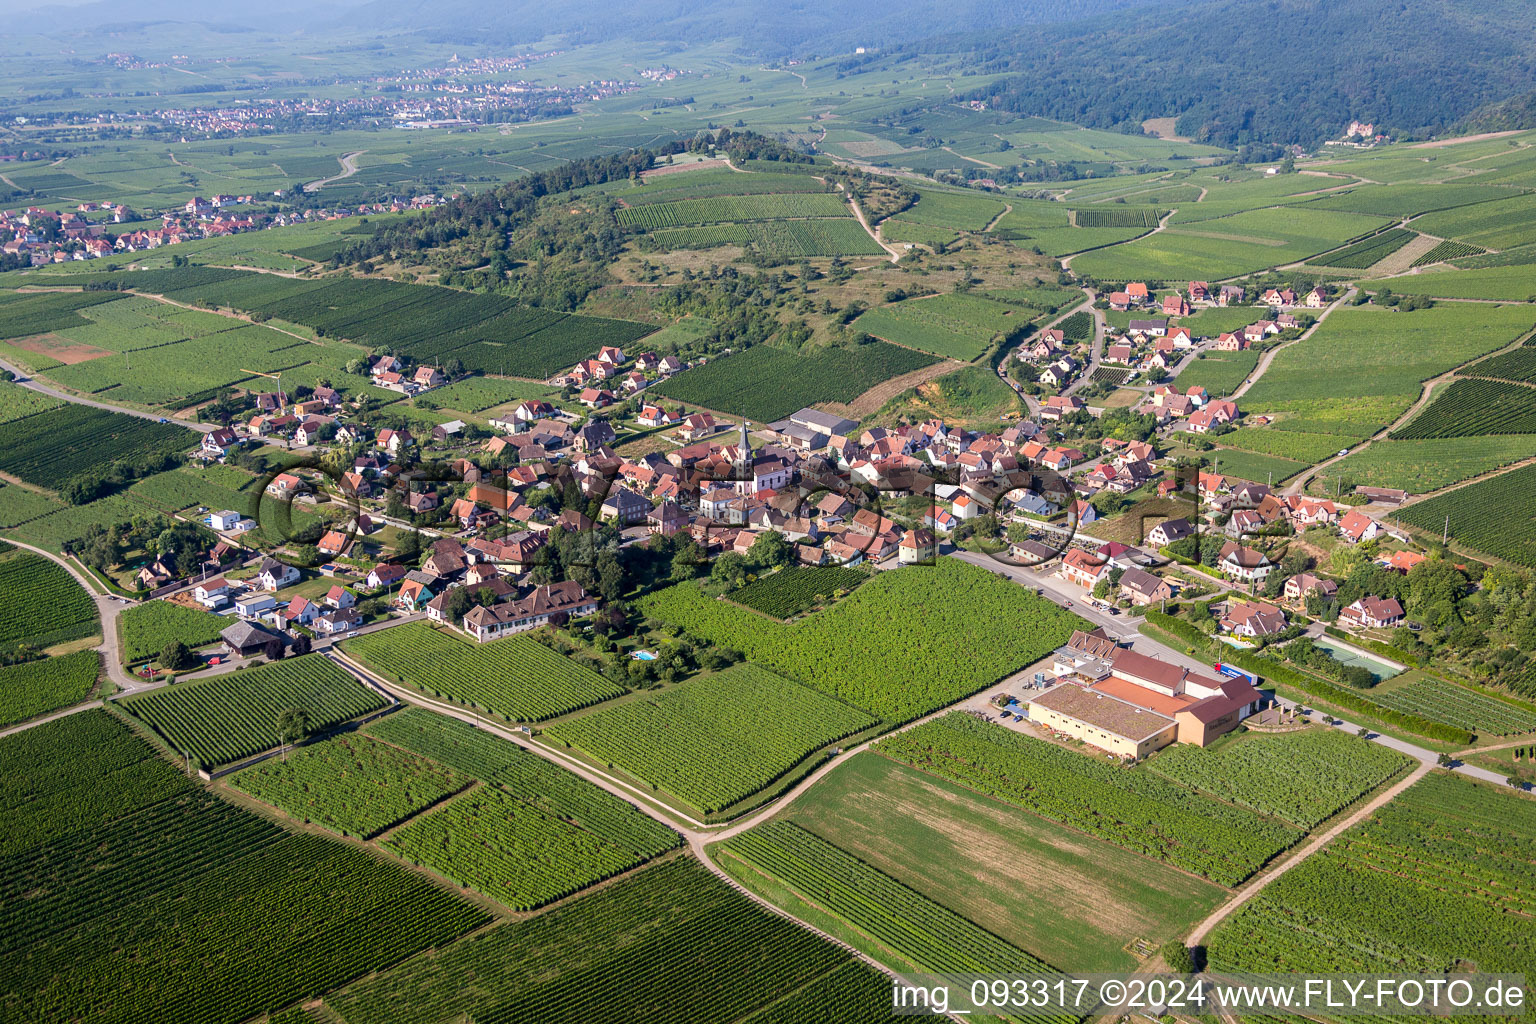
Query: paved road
65	396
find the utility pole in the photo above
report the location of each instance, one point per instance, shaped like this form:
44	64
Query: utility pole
1445	538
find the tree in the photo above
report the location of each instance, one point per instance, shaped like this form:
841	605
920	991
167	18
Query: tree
293	725
273	649
457	603
1178	957
769	551
176	656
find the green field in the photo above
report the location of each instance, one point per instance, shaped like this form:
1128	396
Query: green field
1245	465
820	236
515	678
1494	225
1304	778
957	326
1513	283
1074	899
1459	706
17	401
1472	408
51	449
224	718
1496	516
724	209
951	209
713	741
1423	466
1220	373
144	630
903	644
794	589
1296	445
476	394
41	604
32	688
1367	253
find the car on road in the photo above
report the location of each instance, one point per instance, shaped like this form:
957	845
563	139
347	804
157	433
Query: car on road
352	634
1343	452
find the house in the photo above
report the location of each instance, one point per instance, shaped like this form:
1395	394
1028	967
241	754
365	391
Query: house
699	425
1217	714
594	398
624	507
1356	527
385	575
1144	588
1181	337
427	377
1231	295
1174	305
1154	328
274	575
656	416
918	546
545	604
301	611
1244	563
212	593
1199	291
666	519
253	606
422	501
412	595
1252	619
451	429
1229	342
244	639
1119	301
1259	330
1137	291
339	597
218	442
333	543
1303	585
1373	613
1279	297
1120	353
1403	561
222	521
1082	567
337	620
394	441
285	485
610	355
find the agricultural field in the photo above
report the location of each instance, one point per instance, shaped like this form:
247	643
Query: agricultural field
41	604
225	718
970	396
515	678
17	401
711	742
1077	327
1464	847
901	645
1474	408
1295	445
704	182
1495	225
1077	900
767	382
619	947
19	505
1444	251
350	784
902	923
32	688
1117	217
1363	367
956	325
1419	467
821	236
1133	809
476	394
1516	283
1459	706
1367	253
53	448
967	212
145	629
46	312
1246	465
794	589
733	209
1496	516
1227	246
1519	365
1303	778
1407	200
1220	373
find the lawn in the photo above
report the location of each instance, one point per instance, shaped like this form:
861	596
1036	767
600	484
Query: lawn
1069	899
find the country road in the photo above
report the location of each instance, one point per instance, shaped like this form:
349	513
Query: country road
25	380
348	168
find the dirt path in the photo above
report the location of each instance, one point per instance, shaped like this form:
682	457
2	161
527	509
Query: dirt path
1007	209
1442	143
875	398
1258	884
348	168
858	211
1066	261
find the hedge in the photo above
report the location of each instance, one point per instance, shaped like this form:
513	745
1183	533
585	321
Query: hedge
1374	646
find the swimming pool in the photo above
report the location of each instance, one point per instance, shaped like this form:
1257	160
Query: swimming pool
1350	656
643	656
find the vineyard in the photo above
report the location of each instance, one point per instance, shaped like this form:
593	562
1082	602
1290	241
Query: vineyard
1459	706
1296	445
16	402
930	937
474	394
526	776
655	945
1464	849
225	718
1133	809
795	589
1077	327
1470	408
1111	375
724	209
52	448
956	326
1220	373
767	382
822	236
34	687
1519	365
1419	467
901	645
704	184
41	604
145	629
1367	253
1497	515
350	784
1448	251
1304	778
515	678
1118	217
717	739
43	313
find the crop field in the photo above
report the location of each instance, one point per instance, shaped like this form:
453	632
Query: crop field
903	922
1077	327
1134	809
822	236
705	742
1459	706
894	229
350	784
1519	256
1470	408
515	678
767	382
41	604
1419	467
1246	465
57	446
1227	246
1110	375
1496	516
1406	200
1495	225
899	646
526	776
1519	365
620	947
1077	900
957	326
34	687
19	505
796	588
709	182
1118	217
17	401
737	209
1369	252
45	312
1448	251
1363	367
1515	283
1304	778
476	394
1466	847
1285	444
952	210
225	718
145	629
1220	373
